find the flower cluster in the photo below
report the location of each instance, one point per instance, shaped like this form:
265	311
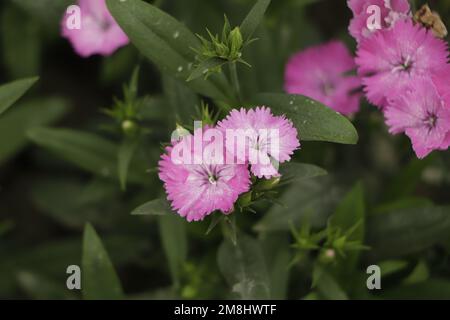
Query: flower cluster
210	183
404	69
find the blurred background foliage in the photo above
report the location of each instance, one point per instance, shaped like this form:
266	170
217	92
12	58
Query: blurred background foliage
58	171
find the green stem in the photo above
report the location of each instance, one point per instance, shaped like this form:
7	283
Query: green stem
235	80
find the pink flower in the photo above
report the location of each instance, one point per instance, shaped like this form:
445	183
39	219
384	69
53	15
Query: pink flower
99	32
423	115
393	59
196	190
321	73
390	12
441	79
258	125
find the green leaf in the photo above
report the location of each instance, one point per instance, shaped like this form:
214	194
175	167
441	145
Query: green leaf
157	207
244	268
389	267
166	42
39	287
99	279
313	120
403	203
351	213
205	67
15	24
276	249
327	286
406	231
253	19
85	150
11	92
294	171
23	117
406	181
432	289
126	151
310	199
58	256
54	198
181	99
172	230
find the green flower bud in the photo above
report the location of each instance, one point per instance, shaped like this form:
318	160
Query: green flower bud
129	127
327	256
236	42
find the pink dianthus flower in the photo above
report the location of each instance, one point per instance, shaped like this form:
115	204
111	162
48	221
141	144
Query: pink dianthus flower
99	32
391	60
197	190
256	122
391	11
321	73
423	114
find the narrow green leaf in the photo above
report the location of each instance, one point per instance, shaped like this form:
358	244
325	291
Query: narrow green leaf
125	154
204	67
39	287
59	255
15	123
166	42
405	181
294	171
310	199
327	285
11	92
99	279
244	268
85	150
406	231
351	213
313	120
253	19
157	207
172	230
181	100
432	289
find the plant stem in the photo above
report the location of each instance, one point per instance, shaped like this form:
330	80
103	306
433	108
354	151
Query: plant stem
235	80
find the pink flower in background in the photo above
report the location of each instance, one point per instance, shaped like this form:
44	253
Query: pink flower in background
321	73
267	149
393	59
99	32
196	190
390	10
423	115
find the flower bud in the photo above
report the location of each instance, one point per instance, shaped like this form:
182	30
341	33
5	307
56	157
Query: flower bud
129	127
236	43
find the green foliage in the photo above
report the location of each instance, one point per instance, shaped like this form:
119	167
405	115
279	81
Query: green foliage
244	268
99	279
165	41
16	122
307	234
172	229
405	231
11	92
314	121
